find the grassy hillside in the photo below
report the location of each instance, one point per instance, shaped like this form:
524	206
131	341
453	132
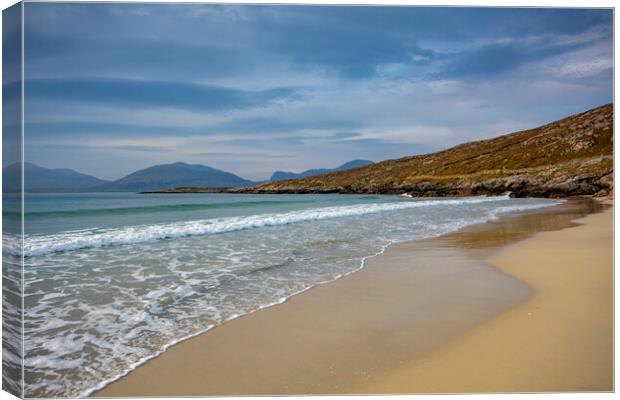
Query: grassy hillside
567	157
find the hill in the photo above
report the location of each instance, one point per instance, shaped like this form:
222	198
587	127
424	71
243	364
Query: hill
281	175
173	175
41	179
572	156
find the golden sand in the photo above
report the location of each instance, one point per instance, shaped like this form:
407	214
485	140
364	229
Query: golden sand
559	340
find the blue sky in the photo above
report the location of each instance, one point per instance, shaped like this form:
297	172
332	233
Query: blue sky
111	88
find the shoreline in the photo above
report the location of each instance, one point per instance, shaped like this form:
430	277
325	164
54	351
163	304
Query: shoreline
512	293
101	386
558	340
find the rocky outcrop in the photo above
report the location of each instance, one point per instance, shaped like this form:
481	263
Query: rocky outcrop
607	186
522	185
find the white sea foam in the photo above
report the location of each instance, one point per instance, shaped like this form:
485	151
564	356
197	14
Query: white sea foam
36	245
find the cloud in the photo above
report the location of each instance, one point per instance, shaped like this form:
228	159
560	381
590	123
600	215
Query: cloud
498	58
145	94
274	124
254	88
122	148
585	62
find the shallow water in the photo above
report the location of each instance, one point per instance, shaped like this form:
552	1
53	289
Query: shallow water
112	279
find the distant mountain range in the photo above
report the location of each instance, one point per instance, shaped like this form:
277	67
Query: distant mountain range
41	179
281	175
157	177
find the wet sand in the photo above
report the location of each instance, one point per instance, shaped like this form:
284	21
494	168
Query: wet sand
560	340
377	330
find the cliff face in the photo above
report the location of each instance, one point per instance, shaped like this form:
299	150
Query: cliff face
572	156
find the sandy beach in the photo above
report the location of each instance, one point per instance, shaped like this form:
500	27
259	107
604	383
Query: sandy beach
561	339
519	304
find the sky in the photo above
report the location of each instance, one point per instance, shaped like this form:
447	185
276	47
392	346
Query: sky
250	89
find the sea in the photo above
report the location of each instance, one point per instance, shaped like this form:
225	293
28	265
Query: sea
112	280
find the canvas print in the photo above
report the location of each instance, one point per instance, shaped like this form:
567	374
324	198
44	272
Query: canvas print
244	199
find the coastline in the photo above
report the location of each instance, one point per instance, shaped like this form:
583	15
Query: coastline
349	335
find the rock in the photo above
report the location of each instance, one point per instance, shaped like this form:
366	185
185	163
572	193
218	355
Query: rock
602	193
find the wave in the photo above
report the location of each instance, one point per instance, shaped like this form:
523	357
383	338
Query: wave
151	209
37	245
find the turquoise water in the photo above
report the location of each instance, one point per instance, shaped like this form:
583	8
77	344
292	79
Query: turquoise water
113	279
57	212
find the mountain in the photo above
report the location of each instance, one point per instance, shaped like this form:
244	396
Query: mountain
41	179
572	156
280	175
179	174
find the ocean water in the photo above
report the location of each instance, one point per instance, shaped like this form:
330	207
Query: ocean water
113	279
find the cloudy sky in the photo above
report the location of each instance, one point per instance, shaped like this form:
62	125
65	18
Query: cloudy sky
111	88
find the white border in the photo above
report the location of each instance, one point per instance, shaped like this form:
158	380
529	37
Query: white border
466	3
